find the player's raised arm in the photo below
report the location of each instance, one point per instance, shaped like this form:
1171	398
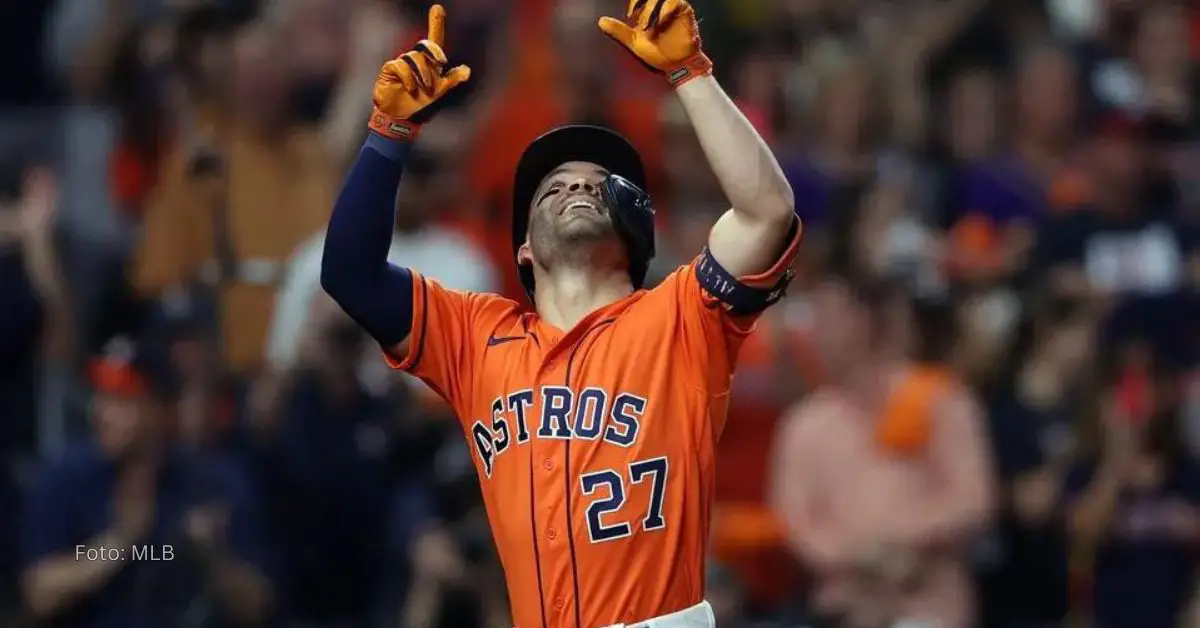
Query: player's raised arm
752	237
354	267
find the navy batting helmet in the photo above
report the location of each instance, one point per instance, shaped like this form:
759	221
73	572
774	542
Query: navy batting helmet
622	191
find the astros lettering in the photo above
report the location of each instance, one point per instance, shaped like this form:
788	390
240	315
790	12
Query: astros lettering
561	413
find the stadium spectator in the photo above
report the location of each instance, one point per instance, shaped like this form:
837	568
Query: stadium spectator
1133	512
966	139
110	60
454	577
328	457
131	487
882	477
213	219
36	324
1032	397
35	328
1008	196
846	126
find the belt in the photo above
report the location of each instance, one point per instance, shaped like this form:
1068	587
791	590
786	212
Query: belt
698	616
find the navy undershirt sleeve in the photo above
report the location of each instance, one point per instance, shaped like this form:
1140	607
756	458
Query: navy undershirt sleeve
354	266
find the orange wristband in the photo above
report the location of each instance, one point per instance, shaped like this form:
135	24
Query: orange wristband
696	66
391	128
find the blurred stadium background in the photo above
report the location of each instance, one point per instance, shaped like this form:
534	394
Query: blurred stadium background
1028	171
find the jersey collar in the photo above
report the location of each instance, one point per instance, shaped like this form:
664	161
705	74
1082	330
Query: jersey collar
554	340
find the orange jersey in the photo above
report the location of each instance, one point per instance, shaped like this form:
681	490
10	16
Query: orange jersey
595	447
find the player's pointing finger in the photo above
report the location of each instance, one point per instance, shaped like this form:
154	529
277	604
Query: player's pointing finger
437	25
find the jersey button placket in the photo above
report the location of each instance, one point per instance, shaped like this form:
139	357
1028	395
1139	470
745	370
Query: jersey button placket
548	464
551	534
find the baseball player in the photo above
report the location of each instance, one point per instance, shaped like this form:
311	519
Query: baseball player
593	420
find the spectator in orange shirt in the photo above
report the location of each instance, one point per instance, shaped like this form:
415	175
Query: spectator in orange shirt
271	147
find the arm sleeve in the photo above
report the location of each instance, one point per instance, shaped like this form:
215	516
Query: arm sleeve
354	266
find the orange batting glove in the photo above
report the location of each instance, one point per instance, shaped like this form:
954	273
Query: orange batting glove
409	86
664	35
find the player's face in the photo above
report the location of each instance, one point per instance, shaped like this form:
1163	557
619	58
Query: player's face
568	213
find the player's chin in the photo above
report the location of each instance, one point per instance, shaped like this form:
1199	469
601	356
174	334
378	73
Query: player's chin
578	226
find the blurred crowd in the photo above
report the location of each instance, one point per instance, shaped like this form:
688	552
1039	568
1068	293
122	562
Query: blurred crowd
1003	194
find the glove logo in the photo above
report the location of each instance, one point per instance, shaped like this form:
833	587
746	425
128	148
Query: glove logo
678	75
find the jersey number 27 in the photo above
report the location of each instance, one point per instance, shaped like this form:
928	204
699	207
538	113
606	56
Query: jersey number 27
652	470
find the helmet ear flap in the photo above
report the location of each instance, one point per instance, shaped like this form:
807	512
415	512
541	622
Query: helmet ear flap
633	218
